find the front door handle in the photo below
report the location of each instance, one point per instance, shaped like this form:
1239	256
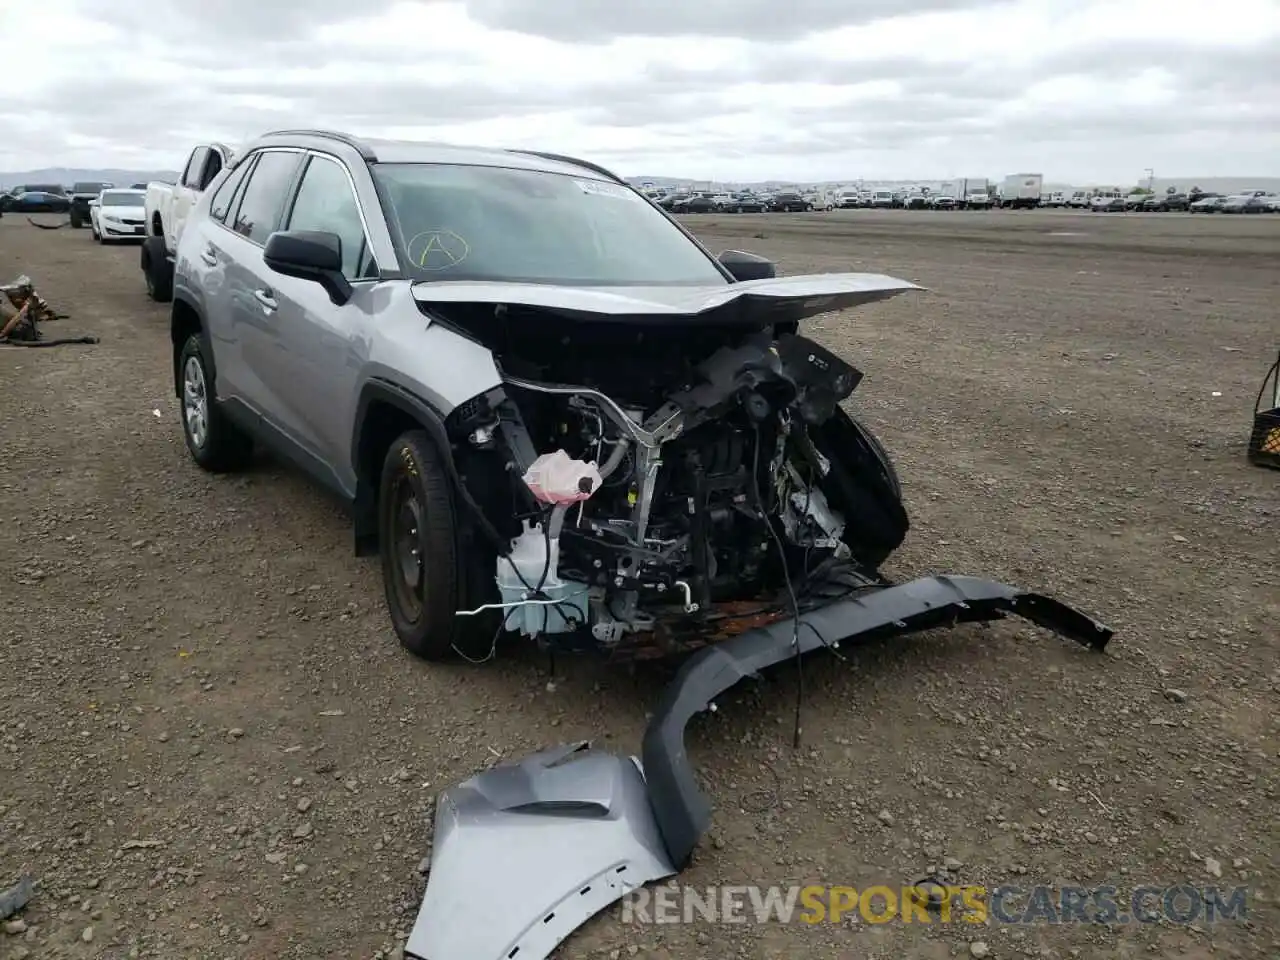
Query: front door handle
208	257
267	301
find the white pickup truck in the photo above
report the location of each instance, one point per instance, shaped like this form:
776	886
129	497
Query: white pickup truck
167	206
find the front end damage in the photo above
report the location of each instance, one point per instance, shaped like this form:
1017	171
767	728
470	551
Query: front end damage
663	467
688	483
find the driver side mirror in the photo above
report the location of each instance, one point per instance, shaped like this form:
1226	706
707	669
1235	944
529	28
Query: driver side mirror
95	202
747	266
309	255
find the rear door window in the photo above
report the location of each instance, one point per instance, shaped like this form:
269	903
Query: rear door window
226	194
262	200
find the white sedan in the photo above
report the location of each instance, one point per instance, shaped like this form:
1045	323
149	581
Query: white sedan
118	215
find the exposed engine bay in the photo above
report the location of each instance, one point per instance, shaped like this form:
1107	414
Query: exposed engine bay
672	484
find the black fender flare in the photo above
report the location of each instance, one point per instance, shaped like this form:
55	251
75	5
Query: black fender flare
185	299
431	420
680	809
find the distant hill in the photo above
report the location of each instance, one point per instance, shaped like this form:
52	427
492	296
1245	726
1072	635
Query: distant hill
67	176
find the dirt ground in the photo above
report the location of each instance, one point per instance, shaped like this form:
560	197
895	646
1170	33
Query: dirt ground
211	745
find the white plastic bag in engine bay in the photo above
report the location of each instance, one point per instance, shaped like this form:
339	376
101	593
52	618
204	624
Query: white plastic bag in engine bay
558	478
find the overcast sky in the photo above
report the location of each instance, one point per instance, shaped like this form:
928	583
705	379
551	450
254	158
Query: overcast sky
729	89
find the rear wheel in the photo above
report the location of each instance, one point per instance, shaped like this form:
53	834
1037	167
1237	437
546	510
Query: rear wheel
215	443
424	570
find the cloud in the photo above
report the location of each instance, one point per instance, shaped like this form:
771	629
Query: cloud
222	20
1086	91
757	20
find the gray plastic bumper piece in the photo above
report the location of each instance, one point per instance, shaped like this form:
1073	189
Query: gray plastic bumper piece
681	809
526	853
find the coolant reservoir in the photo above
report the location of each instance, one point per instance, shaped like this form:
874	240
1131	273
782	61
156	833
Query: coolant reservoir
558	478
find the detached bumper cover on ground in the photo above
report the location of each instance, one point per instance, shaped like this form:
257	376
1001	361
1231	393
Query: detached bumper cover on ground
681	810
524	854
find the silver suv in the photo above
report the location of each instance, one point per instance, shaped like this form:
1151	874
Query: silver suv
551	409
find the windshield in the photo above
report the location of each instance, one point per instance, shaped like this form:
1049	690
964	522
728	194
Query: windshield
459	222
89	187
124	198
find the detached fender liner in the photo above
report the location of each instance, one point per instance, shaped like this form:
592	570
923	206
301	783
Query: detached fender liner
680	809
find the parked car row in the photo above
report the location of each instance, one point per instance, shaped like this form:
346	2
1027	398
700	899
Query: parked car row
35	198
746	202
1019	191
54	198
1238	203
110	213
1251	202
794	201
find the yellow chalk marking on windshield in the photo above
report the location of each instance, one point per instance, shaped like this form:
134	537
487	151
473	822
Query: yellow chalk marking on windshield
438	249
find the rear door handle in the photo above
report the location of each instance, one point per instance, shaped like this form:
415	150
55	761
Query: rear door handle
267	301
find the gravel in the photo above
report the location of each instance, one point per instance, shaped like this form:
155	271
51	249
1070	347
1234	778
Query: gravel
212	747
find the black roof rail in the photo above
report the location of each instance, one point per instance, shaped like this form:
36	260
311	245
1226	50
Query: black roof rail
574	161
365	151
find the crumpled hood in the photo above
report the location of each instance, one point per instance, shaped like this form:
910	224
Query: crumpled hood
781	298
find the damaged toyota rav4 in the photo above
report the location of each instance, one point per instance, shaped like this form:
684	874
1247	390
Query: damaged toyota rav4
553	411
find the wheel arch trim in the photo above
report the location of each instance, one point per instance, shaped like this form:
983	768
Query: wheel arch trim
425	414
184	301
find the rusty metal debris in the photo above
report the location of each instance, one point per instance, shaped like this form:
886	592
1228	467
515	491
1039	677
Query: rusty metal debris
49	226
22	310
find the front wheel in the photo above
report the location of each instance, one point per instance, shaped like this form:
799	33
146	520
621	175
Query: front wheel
424	571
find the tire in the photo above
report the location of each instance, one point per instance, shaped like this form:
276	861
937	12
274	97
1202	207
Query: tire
886	462
76	222
214	442
157	270
424	575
